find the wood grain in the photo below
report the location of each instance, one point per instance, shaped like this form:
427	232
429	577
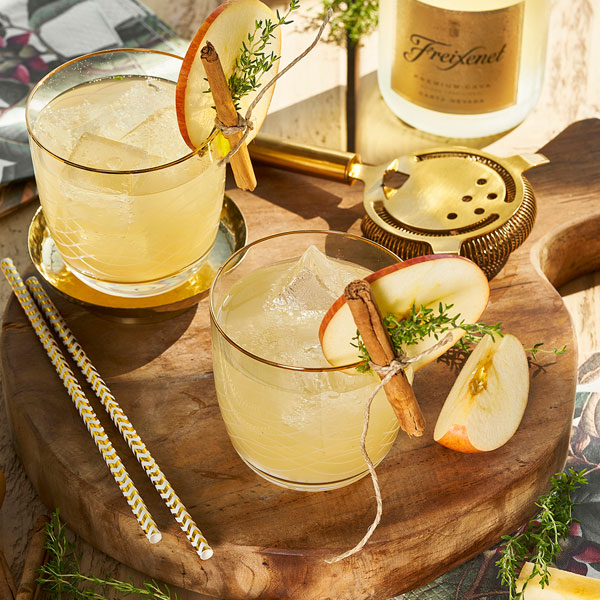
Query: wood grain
7	585
582	299
270	542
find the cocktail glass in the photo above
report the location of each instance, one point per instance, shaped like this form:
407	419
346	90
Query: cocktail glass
132	210
294	419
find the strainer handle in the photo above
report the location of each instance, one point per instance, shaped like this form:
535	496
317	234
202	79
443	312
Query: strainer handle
301	158
522	162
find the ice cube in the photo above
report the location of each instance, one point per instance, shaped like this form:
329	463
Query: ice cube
145	96
100	120
120	113
303	291
159	134
312	284
57	129
103	153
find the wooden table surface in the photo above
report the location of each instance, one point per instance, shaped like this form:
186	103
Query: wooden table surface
310	109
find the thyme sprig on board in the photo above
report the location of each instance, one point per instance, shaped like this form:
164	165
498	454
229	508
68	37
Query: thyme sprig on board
253	62
539	542
536	348
61	576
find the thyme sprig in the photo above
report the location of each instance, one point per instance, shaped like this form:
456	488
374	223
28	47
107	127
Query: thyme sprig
539	542
61	575
538	348
419	323
351	19
253	62
422	322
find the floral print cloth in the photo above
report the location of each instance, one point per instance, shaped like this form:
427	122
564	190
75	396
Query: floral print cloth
38	35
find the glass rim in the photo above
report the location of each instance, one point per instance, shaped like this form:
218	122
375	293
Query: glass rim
238	256
197	151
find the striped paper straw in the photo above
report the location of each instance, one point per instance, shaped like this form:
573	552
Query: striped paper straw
167	493
81	402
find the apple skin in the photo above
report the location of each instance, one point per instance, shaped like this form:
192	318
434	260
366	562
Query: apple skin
194	119
190	55
456	438
427	280
488	399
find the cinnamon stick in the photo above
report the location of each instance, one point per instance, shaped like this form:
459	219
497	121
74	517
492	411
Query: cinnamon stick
33	560
375	338
241	164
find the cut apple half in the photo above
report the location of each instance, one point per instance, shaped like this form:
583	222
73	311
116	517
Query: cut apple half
227	28
487	401
424	280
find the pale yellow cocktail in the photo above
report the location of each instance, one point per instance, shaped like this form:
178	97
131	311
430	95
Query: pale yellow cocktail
292	417
132	210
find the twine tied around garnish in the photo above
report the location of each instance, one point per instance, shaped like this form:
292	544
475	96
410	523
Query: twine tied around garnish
387	372
402	362
244	125
241	126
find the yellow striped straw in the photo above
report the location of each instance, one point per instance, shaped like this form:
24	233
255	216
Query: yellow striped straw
163	487
81	402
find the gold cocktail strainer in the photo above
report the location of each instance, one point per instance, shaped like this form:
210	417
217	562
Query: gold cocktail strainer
447	200
456	201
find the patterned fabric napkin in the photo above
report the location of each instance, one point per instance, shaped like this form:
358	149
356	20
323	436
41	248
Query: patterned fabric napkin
38	35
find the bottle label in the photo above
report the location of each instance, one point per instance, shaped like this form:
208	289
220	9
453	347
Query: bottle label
459	62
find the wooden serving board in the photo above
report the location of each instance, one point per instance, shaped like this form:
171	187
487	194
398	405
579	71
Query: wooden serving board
440	507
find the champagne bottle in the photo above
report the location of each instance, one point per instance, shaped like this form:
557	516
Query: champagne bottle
462	68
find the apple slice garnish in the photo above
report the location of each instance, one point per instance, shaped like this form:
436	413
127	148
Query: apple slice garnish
424	280
487	401
227	28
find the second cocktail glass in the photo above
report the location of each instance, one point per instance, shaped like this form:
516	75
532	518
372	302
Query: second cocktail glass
294	419
132	210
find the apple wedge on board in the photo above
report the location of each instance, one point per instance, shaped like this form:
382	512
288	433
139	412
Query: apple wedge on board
486	403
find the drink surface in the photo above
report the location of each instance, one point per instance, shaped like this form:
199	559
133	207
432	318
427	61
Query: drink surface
299	429
460	68
124	226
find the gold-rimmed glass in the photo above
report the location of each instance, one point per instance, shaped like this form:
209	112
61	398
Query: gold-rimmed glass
292	418
132	210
